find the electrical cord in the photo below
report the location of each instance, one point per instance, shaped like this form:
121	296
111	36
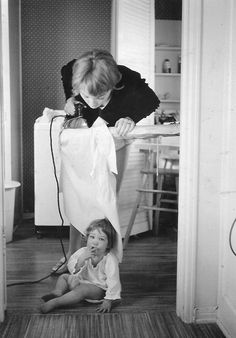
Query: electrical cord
230	237
58	189
59	210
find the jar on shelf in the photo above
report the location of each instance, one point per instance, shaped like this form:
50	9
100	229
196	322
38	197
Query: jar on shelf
166	66
179	64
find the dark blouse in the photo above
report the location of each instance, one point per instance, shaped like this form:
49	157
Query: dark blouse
135	100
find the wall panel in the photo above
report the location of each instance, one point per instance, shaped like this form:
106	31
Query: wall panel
53	33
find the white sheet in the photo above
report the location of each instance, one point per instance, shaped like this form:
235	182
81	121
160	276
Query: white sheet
87	177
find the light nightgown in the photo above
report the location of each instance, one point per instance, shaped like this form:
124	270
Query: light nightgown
104	275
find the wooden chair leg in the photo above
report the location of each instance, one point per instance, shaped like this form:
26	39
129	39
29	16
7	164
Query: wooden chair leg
143	180
156	222
177	184
132	219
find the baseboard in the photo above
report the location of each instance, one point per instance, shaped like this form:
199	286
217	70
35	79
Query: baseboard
223	329
206	315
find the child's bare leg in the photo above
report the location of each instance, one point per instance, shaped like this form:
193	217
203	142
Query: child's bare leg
74	296
60	288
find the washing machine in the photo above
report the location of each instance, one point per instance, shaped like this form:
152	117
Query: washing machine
49	210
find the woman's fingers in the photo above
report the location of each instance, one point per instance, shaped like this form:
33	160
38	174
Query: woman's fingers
69	107
124	126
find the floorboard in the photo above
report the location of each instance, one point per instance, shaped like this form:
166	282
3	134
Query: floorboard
148	277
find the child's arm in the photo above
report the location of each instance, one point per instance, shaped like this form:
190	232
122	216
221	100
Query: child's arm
82	259
74	259
113	284
78	259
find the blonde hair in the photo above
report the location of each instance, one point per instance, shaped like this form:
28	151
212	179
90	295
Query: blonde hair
97	71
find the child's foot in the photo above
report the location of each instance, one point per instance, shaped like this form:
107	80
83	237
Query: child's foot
48	297
46	307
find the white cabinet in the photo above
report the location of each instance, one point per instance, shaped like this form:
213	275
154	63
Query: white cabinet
45	185
168	47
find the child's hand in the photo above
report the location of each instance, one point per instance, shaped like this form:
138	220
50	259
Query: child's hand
82	259
105	306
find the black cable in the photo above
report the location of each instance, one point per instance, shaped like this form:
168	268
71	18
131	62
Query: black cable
59	210
230	237
58	188
31	282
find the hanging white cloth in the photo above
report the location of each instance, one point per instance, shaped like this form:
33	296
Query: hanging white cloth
87	177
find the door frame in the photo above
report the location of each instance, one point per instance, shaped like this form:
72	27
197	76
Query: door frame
189	158
2	237
189	155
190	91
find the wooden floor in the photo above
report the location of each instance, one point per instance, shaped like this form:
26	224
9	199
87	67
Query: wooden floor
148	277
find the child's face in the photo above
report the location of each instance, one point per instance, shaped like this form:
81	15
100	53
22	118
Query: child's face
98	240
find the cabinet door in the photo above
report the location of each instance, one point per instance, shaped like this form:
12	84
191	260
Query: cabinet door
133	46
133	28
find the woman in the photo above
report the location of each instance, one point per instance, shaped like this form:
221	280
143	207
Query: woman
112	92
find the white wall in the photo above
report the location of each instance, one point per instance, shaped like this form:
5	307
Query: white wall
205	59
15	68
15	98
213	68
2	239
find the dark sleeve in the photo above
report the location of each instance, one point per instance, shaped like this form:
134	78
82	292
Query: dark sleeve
143	102
136	100
66	77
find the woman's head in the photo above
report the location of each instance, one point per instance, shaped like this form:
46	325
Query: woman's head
95	75
103	226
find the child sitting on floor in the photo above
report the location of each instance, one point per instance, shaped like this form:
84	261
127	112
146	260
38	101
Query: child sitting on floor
94	272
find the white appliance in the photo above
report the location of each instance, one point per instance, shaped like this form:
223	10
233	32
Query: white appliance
45	186
46	206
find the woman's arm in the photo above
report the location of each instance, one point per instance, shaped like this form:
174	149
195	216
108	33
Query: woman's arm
143	102
66	77
135	99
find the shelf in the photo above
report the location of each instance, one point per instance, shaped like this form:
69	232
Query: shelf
168	46
168	74
170	101
177	48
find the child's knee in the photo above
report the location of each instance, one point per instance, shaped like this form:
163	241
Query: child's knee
82	289
91	291
64	276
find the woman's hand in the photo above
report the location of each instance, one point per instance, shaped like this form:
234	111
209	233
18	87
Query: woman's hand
69	106
124	126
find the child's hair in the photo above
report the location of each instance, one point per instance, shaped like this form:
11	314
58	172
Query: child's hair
105	226
97	71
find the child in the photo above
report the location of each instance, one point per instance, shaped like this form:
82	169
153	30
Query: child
94	272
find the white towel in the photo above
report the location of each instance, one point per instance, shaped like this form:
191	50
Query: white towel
87	179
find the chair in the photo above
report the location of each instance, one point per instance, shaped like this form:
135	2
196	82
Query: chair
161	159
